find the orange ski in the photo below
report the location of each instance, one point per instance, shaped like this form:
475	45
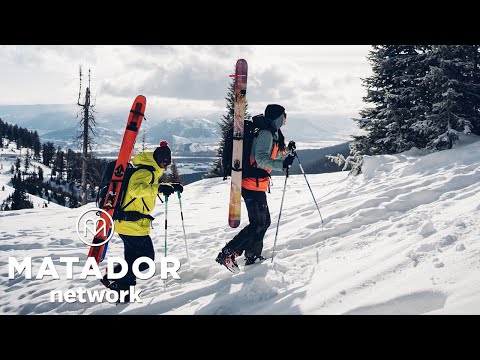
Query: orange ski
126	149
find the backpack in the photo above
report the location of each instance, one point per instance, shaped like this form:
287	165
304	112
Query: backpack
250	131
119	212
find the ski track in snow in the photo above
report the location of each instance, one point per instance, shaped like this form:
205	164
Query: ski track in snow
400	239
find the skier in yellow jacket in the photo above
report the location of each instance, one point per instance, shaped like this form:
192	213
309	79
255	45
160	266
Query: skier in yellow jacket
139	201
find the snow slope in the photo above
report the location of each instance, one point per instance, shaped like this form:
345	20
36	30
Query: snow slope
400	239
8	157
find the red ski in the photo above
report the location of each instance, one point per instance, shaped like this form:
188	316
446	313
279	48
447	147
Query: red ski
126	149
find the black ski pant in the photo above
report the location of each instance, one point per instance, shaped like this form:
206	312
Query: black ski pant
134	247
250	238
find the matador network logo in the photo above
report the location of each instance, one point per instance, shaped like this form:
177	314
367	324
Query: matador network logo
90	225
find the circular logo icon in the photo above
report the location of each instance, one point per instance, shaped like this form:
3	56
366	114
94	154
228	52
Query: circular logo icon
89	226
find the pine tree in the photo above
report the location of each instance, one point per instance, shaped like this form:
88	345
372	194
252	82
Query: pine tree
474	80
36	146
174	176
70	163
48	152
20	200
395	95
93	192
59	163
27	161
73	202
225	125
455	94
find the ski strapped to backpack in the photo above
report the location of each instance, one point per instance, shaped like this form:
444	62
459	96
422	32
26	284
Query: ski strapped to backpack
119	212
251	130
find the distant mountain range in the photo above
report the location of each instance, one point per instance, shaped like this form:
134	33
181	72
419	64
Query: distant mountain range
187	136
58	124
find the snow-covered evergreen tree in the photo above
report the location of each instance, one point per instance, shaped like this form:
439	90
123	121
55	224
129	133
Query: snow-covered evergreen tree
225	124
422	96
455	94
396	99
174	176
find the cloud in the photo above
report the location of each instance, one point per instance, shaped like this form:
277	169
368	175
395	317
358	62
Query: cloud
187	79
198	72
215	51
229	52
156	49
30	56
47	56
189	82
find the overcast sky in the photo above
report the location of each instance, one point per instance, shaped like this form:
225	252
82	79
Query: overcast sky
188	80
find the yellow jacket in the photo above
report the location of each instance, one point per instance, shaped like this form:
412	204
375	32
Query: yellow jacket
139	187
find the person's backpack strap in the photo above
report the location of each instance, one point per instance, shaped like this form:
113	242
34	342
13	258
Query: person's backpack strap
253	171
149	168
227	153
121	214
132	216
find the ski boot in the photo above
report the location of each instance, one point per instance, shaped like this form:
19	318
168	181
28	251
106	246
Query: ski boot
105	281
226	257
251	258
115	286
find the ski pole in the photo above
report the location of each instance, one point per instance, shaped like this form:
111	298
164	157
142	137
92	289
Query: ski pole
183	226
311	192
166	212
280	214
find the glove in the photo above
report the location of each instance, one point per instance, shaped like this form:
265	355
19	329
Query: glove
288	161
177	187
291	146
166	189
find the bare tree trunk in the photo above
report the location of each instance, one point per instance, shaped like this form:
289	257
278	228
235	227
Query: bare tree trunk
86	107
87	123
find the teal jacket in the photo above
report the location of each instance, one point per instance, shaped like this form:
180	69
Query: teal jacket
262	147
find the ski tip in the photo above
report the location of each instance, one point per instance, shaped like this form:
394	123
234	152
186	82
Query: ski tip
140	98
234	223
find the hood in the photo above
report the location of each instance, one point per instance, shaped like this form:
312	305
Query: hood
278	122
274	113
146	158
